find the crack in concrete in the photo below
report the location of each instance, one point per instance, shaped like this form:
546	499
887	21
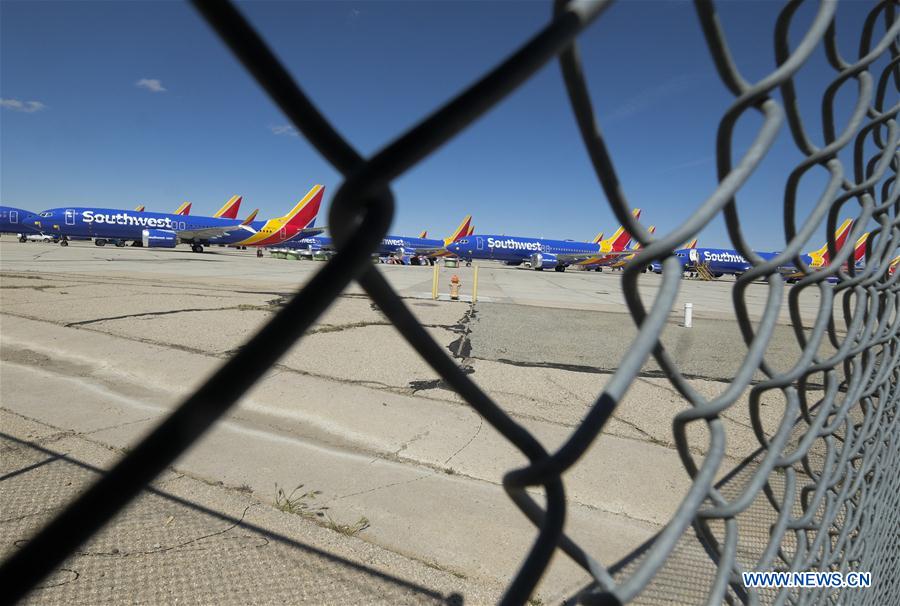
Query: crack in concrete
466	445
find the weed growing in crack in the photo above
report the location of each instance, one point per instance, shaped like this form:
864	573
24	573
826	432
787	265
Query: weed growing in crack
298	504
351	530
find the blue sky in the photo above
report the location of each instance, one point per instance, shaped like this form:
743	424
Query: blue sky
139	102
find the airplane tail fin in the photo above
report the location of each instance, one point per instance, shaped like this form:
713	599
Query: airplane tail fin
306	210
184	209
691	244
894	264
460	232
840	237
637	245
620	238
424	234
598	238
859	250
139	208
250	217
471	230
230	209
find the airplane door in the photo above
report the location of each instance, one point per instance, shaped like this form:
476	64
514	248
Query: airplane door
13	216
70	217
694	256
283	234
480	243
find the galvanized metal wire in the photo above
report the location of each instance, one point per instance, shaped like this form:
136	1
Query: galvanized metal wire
826	479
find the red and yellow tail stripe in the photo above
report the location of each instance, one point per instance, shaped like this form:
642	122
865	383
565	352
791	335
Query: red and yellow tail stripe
460	232
691	244
250	217
184	209
598	238
818	258
636	247
139	208
893	266
471	230
283	228
859	249
620	237
424	234
230	209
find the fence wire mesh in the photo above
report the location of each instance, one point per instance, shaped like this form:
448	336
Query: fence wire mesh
822	492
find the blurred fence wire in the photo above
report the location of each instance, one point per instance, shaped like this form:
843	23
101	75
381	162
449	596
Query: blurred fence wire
822	492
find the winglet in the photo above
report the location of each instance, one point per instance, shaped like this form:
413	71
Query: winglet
306	210
620	238
424	234
230	209
184	209
250	217
461	231
139	208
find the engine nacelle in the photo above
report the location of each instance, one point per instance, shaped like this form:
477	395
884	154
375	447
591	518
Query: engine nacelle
541	261
159	238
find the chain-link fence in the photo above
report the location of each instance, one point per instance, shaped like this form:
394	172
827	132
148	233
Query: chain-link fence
822	492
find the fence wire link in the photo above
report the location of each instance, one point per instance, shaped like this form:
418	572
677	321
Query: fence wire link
822	492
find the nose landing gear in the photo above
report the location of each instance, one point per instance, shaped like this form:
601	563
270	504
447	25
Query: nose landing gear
197	248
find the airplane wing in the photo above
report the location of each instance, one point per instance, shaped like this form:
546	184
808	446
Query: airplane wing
207	233
596	257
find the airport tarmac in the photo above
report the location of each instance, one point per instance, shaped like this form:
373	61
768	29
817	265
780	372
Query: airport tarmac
98	344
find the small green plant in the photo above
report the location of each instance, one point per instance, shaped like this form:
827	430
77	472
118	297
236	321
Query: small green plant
298	504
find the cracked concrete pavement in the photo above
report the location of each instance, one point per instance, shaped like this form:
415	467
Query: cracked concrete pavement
99	344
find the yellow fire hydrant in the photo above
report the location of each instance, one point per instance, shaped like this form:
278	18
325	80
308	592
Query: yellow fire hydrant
454	287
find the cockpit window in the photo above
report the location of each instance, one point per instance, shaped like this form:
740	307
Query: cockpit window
46	214
462	241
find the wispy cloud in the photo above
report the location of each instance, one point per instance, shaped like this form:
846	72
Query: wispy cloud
151	84
284	129
29	107
649	98
689	164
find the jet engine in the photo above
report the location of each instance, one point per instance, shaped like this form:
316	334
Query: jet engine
541	261
159	238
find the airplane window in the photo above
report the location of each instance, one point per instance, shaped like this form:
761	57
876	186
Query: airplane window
46	214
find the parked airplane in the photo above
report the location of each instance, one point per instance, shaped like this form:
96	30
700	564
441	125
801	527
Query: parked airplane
18	221
540	252
403	248
167	230
723	261
230	209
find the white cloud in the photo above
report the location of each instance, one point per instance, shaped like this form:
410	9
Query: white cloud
29	107
151	84
285	129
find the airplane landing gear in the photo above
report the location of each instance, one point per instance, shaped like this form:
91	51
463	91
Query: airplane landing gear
120	243
99	242
63	242
197	248
22	238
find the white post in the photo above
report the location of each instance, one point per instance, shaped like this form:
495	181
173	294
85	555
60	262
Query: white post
688	313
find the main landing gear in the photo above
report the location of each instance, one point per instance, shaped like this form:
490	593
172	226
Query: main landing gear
197	248
99	242
560	268
63	241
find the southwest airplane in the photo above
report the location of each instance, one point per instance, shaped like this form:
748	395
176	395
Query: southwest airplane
722	261
18	221
161	230
540	252
399	246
